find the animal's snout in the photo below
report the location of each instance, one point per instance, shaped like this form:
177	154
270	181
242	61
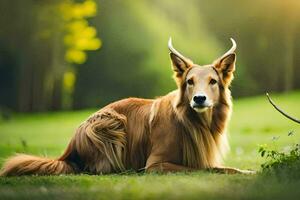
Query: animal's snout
200	99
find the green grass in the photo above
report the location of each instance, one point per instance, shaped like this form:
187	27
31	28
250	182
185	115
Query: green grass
254	122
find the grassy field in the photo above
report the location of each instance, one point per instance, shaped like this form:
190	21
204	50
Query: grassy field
254	122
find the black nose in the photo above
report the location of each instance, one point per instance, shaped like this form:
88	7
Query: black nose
199	99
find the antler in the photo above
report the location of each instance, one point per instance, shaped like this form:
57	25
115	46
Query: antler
231	50
173	50
281	111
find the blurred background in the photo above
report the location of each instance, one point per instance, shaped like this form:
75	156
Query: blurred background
75	54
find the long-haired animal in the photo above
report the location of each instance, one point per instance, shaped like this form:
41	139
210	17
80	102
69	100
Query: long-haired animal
184	130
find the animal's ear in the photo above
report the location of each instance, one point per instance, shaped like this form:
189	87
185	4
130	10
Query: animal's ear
179	62
225	65
179	65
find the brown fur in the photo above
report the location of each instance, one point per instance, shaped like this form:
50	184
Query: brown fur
164	134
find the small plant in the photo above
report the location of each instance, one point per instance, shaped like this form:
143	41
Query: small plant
283	163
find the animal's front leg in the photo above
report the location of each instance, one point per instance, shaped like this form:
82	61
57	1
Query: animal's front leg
229	170
167	167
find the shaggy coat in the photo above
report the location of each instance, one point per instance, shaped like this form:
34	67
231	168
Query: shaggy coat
164	134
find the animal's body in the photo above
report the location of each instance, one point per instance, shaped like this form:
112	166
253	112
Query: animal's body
184	130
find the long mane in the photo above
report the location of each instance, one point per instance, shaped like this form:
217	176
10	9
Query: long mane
204	137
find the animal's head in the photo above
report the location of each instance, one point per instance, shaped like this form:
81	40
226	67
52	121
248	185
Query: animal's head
201	86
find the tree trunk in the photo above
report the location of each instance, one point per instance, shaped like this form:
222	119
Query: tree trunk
289	60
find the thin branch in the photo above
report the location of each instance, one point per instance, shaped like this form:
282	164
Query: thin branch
281	111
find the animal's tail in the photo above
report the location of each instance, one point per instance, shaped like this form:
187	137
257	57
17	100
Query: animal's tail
22	164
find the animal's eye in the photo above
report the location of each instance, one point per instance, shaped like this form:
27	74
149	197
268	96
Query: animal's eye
212	81
190	82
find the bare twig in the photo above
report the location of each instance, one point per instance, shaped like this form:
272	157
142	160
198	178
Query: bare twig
281	111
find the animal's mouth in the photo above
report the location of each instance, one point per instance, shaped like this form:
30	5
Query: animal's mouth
199	106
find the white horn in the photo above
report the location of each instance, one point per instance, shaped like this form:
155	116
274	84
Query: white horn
232	49
173	50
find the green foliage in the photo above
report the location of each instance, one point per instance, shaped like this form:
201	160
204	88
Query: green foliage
282	163
278	159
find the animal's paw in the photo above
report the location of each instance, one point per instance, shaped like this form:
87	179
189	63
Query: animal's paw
229	170
247	172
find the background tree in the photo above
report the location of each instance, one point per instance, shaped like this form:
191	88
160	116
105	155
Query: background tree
40	44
